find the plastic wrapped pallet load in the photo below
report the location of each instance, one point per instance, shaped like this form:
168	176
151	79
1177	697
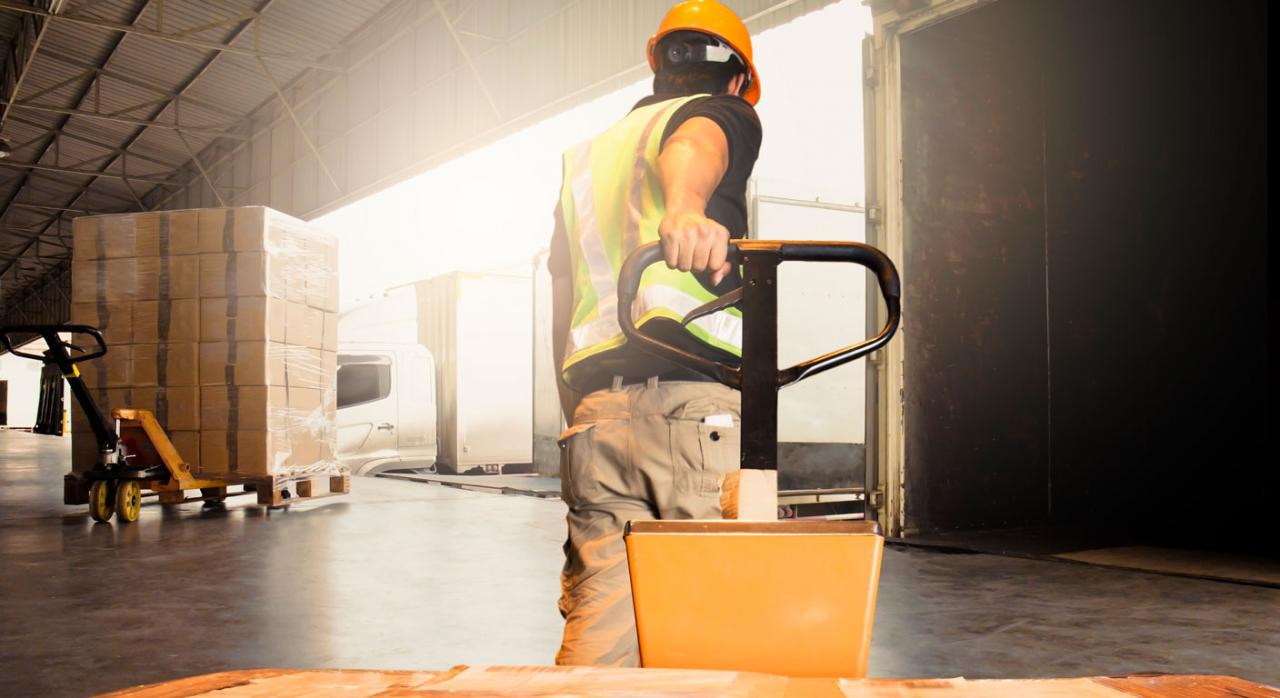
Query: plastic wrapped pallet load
223	322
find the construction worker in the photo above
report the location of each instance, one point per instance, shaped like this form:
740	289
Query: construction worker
648	439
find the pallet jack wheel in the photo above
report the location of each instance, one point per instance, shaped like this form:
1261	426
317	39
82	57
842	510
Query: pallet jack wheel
213	494
128	500
102	501
215	498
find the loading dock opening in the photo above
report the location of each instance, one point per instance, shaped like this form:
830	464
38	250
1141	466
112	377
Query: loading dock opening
1083	233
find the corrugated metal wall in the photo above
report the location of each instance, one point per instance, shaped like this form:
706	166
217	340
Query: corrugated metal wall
428	82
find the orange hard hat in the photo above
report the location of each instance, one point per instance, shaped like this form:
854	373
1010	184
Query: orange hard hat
710	17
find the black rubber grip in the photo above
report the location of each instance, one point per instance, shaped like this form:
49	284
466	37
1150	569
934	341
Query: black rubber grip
779	251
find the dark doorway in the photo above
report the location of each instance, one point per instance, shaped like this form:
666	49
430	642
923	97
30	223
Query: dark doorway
1086	279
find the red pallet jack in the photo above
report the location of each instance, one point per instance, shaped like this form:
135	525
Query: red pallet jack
795	598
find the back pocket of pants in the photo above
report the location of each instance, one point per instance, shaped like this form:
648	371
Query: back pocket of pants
721	454
702	454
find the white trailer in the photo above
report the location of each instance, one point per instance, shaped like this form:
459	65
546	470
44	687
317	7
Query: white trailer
479	326
548	417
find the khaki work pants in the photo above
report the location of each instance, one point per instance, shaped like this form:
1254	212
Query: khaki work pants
634	452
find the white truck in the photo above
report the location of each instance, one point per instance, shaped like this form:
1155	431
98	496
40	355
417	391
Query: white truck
386	406
472	381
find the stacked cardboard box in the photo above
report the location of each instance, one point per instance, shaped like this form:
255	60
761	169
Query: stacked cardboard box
224	323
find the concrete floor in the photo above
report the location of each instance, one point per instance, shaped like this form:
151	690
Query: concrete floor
404	575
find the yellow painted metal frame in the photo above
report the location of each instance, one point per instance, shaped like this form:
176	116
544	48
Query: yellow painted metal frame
180	476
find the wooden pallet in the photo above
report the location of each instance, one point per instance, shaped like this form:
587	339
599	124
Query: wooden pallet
271	492
148	443
279	492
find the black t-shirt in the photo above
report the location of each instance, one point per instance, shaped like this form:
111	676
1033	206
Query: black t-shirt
727	206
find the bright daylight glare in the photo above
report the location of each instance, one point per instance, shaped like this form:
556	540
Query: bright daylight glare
490	210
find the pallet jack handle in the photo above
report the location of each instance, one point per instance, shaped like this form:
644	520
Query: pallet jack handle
757	253
59	354
50	334
758	377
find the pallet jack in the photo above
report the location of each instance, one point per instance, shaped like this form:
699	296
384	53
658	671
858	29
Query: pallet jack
792	597
134	453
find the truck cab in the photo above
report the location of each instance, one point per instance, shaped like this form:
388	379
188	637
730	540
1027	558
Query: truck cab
386	407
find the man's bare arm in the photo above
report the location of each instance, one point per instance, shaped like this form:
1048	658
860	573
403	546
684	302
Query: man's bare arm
692	162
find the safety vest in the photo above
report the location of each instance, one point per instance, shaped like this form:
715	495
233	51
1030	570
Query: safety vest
612	202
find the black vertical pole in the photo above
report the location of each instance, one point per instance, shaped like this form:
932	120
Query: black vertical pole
760	361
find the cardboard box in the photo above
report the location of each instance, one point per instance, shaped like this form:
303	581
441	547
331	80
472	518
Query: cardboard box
251	227
96	280
170	364
304	447
304	326
223	322
116	236
296	262
114	370
320	281
187	444
256	408
146	234
115	398
239	274
184	232
305	404
160	278
314	275
84	239
245	453
254	319
166	321
165	233
315	286
233	363
217	273
114	320
233	230
84	281
296	366
329	342
85	286
216	452
176	408
329	374
300	367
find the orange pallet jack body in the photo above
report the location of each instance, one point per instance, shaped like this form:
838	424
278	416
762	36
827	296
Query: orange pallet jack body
795	598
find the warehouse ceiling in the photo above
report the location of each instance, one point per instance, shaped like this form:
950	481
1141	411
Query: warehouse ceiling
302	105
105	101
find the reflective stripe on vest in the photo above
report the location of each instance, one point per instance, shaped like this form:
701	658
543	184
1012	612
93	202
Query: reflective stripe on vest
612	203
